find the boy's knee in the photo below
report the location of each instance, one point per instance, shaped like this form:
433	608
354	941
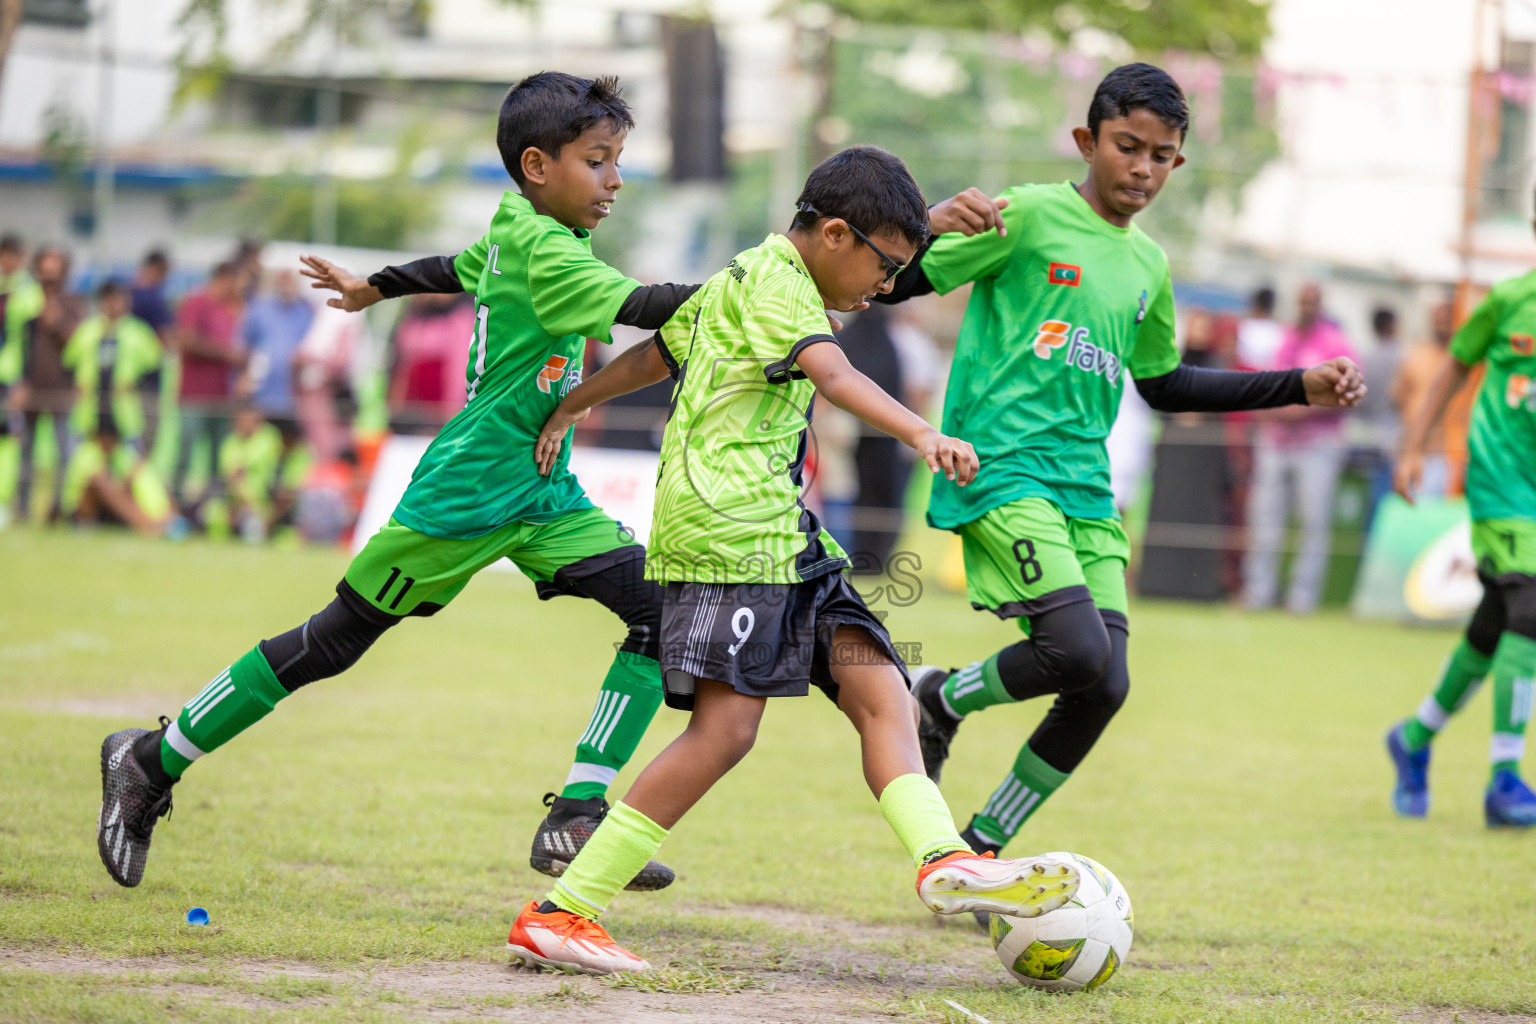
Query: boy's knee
1520	609
328	644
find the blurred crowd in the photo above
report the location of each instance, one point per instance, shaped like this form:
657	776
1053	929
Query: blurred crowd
232	409
228	410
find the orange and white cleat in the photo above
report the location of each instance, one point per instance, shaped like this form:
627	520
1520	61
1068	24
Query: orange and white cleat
568	941
964	882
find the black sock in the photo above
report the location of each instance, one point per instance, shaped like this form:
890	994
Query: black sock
547	907
146	751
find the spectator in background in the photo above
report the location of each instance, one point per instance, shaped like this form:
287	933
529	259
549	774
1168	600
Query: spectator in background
326	402
107	484
426	377
1377	413
15	285
46	387
247	263
1259	334
1411	384
208	337
150	305
109	354
275	326
250	463
1296	461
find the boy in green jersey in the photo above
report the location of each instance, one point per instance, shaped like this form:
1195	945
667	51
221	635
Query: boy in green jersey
1501	494
476	496
756	604
1065	302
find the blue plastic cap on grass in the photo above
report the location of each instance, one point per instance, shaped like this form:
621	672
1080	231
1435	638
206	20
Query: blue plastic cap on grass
197	915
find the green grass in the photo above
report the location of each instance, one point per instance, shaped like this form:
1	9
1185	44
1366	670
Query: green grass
379	822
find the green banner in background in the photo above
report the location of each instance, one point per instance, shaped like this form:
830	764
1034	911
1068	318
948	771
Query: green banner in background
1418	564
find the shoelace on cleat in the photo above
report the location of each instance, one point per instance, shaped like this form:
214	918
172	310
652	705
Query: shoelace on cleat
159	807
585	928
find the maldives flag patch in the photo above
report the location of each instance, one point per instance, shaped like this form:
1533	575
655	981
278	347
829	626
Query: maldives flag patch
1066	273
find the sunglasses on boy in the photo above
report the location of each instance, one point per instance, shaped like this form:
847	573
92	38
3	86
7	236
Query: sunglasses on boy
892	268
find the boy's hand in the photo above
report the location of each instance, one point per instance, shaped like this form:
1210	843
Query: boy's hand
1334	383
955	458
356	292
1407	475
970	213
547	450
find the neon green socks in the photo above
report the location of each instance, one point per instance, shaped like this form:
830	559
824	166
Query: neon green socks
1514	666
974	687
918	815
235	700
1459	680
1023	791
620	847
628	701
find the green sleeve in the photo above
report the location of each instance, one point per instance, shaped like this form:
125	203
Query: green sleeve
1156	352
470	264
1472	342
574	292
955	259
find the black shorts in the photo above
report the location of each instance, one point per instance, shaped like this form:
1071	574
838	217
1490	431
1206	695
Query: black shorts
761	639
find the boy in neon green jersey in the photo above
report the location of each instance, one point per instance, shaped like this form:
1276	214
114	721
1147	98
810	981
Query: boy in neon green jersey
1501	493
475	497
756	604
1065	302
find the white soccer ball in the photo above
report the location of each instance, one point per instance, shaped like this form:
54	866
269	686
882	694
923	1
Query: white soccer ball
1077	947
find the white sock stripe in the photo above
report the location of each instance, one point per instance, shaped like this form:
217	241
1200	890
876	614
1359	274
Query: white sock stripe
613	723
583	771
616	702
1000	795
179	743
211	704
1431	715
1013	823
597	716
1506	746
207	692
1520	703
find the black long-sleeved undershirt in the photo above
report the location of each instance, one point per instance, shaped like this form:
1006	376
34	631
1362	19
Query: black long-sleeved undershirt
647	307
1195	389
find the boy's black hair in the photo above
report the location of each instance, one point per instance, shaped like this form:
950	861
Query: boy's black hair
111	287
1264	300
1383	319
1139	87
870	189
550	109
10	242
156	258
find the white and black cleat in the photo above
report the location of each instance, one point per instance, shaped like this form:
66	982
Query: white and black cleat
566	829
130	804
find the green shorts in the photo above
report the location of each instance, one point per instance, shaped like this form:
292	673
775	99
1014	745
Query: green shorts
1028	557
1504	547
402	572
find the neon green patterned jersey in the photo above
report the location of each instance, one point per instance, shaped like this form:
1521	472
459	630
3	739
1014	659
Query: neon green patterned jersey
1063	305
728	506
539	293
1501	468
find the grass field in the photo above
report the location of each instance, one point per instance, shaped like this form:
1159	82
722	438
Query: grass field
363	851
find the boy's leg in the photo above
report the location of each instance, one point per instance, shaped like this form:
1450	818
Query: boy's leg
1461	675
1506	552
399	573
588	554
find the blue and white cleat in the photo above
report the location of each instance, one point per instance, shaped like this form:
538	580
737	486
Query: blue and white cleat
1411	796
1509	802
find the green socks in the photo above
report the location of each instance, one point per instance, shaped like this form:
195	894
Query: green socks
1020	795
1459	680
918	815
628	701
238	698
1514	666
615	854
974	687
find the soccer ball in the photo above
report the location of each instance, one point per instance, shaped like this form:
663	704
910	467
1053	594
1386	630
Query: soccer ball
1079	946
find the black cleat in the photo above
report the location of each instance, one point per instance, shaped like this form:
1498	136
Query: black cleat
566	829
130	803
980	845
936	728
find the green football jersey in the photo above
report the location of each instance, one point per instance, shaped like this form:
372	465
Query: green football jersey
1063	305
539	294
728	506
1501	468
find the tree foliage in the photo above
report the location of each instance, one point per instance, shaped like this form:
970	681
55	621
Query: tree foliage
1223	28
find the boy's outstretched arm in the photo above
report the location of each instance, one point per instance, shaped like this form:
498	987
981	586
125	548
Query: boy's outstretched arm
968	213
631	370
1409	470
429	274
845	387
1336	382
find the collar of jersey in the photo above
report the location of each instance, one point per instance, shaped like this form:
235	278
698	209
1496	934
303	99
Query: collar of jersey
519	204
785	250
1087	213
